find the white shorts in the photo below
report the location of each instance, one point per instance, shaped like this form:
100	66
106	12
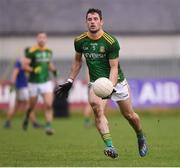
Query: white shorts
40	88
22	94
122	91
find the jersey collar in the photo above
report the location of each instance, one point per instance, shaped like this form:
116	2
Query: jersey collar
95	38
41	48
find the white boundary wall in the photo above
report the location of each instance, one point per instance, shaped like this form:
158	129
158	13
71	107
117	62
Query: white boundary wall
132	47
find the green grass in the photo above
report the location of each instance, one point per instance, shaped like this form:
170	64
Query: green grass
73	145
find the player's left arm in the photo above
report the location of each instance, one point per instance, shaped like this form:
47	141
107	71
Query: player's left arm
51	66
53	69
114	61
113	76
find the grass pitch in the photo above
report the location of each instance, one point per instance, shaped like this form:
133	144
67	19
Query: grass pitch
73	145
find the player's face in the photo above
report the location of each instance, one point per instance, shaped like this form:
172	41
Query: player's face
94	23
41	39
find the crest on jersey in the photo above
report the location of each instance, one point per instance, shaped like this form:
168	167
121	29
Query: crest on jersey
102	49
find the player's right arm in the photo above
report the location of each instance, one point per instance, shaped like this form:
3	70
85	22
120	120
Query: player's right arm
77	63
26	64
63	89
27	68
76	66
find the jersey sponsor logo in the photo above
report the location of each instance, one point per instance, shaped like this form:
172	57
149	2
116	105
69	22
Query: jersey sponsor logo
42	57
42	60
94	55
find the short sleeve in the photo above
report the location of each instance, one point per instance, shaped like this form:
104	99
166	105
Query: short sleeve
26	51
50	54
77	46
18	65
114	50
28	54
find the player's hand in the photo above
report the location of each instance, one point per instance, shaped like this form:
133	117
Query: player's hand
107	97
37	70
62	90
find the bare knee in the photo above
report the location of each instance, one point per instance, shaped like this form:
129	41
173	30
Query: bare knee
48	106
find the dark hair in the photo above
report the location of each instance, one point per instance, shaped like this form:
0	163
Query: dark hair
93	10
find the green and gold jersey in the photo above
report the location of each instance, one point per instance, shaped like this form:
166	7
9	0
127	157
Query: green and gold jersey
97	54
40	59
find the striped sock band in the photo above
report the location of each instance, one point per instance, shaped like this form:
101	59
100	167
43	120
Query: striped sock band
107	139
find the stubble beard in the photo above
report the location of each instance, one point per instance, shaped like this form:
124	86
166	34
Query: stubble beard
94	31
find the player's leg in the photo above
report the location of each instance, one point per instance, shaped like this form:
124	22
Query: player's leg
127	111
33	119
48	99
47	94
33	95
134	120
87	115
25	103
33	101
12	109
98	105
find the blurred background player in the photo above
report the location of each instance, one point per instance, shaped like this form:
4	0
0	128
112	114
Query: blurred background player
20	83
101	51
87	111
39	82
